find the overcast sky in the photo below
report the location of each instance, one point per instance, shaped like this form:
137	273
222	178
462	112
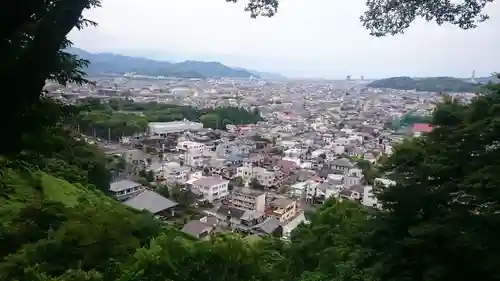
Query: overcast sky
307	38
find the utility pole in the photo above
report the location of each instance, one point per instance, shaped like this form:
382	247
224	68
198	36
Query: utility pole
109	135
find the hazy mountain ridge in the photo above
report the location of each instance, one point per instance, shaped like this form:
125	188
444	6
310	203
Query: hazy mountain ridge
428	84
108	63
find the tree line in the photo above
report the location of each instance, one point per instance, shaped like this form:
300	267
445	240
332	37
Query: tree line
117	118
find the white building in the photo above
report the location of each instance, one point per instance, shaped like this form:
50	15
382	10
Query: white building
173	172
163	128
212	188
248	199
248	172
191	146
353	177
193	159
125	189
369	198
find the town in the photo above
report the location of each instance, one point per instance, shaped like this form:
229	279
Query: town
256	172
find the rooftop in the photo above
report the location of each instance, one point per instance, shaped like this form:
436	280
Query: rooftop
209	181
282	202
122	185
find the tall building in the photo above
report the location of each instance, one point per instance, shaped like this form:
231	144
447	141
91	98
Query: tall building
248	199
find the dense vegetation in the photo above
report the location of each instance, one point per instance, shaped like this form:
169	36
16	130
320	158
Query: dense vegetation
431	84
125	117
117	64
409	119
439	223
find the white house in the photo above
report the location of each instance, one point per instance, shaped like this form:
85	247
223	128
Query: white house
125	189
191	146
212	188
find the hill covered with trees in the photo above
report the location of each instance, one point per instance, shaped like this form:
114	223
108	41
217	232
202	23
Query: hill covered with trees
125	117
108	63
430	84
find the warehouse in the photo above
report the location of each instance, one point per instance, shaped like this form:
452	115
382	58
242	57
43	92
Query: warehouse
164	128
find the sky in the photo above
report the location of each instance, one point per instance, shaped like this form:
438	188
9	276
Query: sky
307	39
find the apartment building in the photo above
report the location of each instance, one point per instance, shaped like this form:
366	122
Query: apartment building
248	199
212	188
174	173
248	171
283	209
193	159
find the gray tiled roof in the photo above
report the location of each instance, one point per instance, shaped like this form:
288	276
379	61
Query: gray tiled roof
150	201
195	228
269	225
209	181
122	185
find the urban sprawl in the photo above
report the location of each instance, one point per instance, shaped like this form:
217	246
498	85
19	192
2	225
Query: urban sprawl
311	140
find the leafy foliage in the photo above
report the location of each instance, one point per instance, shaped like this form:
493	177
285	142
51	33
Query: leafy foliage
441	218
390	17
119	118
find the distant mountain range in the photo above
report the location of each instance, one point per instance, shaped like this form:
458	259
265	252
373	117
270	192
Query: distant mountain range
108	63
429	84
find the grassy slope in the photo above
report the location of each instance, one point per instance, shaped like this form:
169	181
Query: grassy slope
52	188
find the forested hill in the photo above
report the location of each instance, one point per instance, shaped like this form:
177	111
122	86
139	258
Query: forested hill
429	84
108	63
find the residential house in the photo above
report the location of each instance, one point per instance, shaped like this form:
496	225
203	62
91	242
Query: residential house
383	182
354	193
173	172
134	156
271	226
342	165
371	156
228	216
248	172
283	209
199	229
193	158
249	199
369	199
298	189
225	149
212	188
190	146
294	223
124	189
353	177
152	202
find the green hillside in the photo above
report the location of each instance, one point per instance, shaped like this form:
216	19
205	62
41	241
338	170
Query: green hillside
429	84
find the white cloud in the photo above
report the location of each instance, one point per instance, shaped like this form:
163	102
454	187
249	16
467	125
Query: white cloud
308	38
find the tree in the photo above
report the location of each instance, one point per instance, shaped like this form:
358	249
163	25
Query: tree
445	200
390	17
30	45
163	190
331	245
210	120
369	170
